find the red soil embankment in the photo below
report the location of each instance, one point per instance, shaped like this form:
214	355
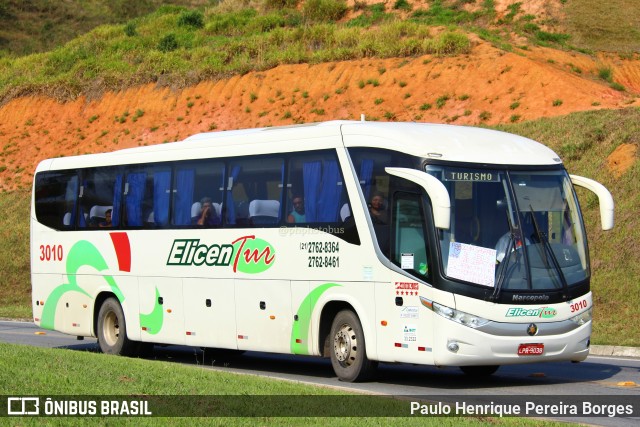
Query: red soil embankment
486	86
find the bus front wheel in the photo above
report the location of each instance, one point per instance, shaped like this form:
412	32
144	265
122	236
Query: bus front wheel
348	352
112	330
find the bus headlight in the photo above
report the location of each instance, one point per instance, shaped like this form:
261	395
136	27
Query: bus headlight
458	316
582	318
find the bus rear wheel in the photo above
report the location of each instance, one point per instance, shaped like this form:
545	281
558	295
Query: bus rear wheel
348	352
479	371
112	330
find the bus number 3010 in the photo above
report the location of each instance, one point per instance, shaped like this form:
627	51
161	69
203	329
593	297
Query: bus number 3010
579	305
51	253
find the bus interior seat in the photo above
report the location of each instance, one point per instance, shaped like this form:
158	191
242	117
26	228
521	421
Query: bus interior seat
264	211
196	210
97	213
345	212
218	208
66	219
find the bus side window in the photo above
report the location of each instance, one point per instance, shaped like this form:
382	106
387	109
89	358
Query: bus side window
409	247
97	197
254	191
208	191
56	199
375	183
315	189
153	185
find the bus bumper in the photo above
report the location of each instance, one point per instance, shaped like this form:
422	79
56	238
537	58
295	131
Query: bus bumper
458	345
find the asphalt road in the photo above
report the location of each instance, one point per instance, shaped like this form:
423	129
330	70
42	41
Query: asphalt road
613	379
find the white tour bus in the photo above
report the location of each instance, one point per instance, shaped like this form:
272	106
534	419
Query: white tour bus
359	241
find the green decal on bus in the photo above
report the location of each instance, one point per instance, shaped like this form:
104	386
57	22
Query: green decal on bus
81	254
153	321
300	330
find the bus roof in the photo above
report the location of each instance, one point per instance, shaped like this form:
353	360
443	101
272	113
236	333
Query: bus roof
450	143
436	141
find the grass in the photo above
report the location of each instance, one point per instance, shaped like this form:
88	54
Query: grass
58	372
610	26
227	43
34	26
123	44
583	140
180	46
14	255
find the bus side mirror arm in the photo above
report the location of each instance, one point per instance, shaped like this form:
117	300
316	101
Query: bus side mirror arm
604	198
436	190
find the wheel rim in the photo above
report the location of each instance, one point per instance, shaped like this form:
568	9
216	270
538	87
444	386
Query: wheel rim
345	345
111	329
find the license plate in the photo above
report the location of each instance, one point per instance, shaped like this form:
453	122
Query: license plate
530	349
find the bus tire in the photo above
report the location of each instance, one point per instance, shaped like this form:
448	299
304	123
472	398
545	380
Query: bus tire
112	330
348	350
479	371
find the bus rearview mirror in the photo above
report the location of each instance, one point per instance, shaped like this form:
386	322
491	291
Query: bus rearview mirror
440	202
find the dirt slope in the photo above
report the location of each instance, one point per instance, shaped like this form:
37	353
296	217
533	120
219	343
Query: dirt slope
487	86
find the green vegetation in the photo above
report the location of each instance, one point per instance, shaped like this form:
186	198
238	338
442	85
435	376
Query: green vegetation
583	140
181	42
441	13
484	116
371	15
441	101
184	47
15	292
323	10
613	25
57	372
606	74
33	26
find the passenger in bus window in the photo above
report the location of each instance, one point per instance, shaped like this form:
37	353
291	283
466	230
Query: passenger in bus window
208	216
297	215
377	209
107	220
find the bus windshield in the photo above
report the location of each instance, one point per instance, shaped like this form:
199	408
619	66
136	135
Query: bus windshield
512	230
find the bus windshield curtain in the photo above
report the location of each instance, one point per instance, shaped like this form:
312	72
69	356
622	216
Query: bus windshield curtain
231	209
133	198
117	201
183	196
322	191
161	197
366	174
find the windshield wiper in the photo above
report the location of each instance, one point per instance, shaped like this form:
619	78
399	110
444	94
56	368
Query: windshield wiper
547	249
504	263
